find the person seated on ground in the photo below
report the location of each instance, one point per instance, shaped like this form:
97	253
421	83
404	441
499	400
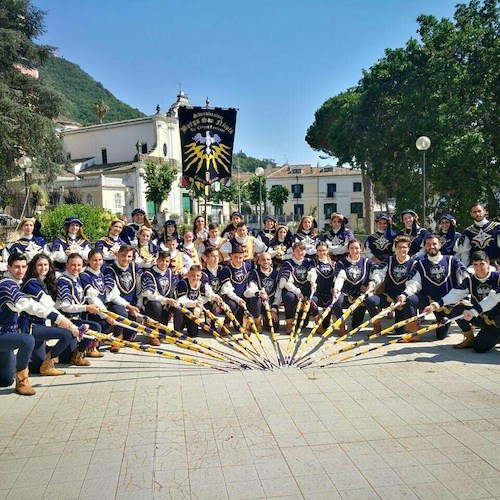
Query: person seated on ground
122	280
326	272
94	289
139	219
338	236
192	293
354	272
157	291
378	246
71	301
392	273
483	289
13	302
297	283
29	244
234	281
261	286
431	278
40	284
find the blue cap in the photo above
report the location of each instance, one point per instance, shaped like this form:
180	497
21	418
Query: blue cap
138	211
447	217
270	217
170	222
409	211
239	214
382	216
72	220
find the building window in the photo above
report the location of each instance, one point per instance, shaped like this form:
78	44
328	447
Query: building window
118	202
104	153
357	208
331	189
144	148
164	149
298	211
297	190
296	171
329	209
356	187
90	200
68	156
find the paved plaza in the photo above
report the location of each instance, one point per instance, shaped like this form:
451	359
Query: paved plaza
408	421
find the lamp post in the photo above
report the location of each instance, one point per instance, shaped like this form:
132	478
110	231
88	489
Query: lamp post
25	163
259	172
423	143
239	185
295	215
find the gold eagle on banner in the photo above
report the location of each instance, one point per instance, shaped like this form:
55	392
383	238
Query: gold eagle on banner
207	153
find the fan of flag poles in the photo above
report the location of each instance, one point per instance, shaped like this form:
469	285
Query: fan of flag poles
246	350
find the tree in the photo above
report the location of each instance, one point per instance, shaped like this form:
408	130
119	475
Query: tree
159	180
27	107
446	86
256	184
249	163
278	196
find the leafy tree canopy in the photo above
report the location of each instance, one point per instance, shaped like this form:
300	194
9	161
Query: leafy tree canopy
26	105
159	179
445	85
278	195
249	163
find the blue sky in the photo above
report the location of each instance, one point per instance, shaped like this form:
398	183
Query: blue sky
276	61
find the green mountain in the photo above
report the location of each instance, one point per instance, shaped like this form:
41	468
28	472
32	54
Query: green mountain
80	93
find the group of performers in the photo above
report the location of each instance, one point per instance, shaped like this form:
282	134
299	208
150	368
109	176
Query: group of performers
57	291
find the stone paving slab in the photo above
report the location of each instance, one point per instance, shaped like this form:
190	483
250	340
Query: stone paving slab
410	421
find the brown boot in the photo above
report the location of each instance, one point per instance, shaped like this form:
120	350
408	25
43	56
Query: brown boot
288	326
342	331
412	328
116	348
467	341
47	367
23	386
377	327
320	328
155	341
93	353
78	359
258	324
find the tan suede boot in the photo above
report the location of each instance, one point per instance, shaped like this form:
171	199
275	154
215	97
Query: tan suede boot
412	328
288	326
78	359
342	330
377	327
23	386
320	328
467	341
47	368
155	341
258	323
116	348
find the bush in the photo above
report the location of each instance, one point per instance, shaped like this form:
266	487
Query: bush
95	221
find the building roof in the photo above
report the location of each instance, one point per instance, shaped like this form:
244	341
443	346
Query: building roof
114	168
306	170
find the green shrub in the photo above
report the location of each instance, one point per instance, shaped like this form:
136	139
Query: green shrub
95	221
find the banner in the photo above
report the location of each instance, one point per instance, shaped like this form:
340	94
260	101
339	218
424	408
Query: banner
207	137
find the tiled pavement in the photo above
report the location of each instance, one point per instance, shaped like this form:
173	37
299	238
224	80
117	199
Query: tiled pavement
410	421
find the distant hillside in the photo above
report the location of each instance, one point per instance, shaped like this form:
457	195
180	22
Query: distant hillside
80	93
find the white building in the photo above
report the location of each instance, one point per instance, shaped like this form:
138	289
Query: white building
107	163
329	188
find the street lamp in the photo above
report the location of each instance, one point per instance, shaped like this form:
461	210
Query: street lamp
239	185
295	215
423	143
25	163
259	172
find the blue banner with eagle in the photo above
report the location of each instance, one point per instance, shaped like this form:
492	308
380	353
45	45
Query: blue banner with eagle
207	137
